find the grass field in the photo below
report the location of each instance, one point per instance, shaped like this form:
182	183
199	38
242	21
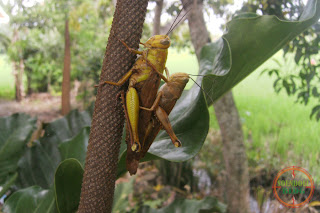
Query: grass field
280	129
6	79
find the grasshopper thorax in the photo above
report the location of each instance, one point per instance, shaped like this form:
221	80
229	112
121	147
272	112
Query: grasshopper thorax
158	41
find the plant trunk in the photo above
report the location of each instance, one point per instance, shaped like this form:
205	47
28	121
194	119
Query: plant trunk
65	97
237	191
28	74
234	154
157	17
18	76
18	95
197	27
18	68
108	117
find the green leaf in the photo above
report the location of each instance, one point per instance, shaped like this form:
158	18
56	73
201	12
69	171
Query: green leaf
76	147
315	92
315	111
39	163
208	204
251	41
68	180
31	200
121	196
67	127
15	132
10	181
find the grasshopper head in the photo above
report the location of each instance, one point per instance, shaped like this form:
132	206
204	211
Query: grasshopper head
158	41
179	77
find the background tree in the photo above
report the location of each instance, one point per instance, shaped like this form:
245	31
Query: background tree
157	17
65	97
234	153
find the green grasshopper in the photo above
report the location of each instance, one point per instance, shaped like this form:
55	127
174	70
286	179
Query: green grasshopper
151	63
144	108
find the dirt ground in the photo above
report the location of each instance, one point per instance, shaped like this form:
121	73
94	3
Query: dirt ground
42	105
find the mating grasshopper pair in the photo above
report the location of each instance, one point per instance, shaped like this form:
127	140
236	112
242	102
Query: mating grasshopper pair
146	109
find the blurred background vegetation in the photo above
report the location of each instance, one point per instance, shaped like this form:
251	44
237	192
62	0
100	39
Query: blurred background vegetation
279	104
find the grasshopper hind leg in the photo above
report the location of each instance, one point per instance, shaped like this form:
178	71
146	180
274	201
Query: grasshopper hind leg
132	105
134	140
162	116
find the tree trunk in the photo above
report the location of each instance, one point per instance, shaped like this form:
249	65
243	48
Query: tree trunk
17	79
237	191
108	117
197	27
157	17
18	69
234	153
28	74
65	97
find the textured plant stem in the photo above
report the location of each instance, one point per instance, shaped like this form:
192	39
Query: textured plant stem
108	118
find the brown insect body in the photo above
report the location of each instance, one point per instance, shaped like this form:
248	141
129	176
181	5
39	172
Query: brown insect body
149	121
147	91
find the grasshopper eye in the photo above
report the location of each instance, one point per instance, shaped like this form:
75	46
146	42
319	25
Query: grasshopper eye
164	42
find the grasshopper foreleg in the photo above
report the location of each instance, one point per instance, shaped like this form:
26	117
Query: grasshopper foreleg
155	69
131	49
155	104
120	82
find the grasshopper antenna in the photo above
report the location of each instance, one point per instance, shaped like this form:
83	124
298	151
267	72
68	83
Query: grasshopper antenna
173	24
174	21
207	94
197	75
179	21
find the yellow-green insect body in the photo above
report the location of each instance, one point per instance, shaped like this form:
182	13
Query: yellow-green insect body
152	59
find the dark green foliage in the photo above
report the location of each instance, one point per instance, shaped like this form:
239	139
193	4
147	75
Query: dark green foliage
68	180
15	132
31	200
